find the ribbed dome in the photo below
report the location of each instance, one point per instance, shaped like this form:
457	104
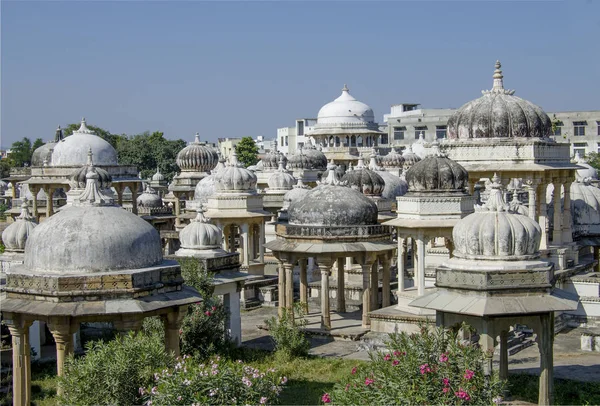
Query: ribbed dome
308	157
366	181
94	236
204	189
333	204
78	177
200	234
437	173
197	157
235	178
271	160
392	160
345	109
495	233
73	150
158	177
499	114
149	198
394	185
281	179
410	158
15	235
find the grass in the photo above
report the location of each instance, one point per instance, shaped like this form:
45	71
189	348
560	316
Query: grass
566	392
43	385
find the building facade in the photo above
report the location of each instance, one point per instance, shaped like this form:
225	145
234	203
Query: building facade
290	139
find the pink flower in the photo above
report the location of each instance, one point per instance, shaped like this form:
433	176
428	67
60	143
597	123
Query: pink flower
462	395
284	380
469	374
347	387
326	398
443	357
353	370
263	400
425	369
387	357
396	353
446	381
368	381
213	308
395	362
207	313
445	390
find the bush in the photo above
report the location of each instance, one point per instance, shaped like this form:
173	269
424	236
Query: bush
112	372
288	333
430	367
218	382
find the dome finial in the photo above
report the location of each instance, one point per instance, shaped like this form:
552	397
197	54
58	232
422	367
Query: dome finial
345	89
92	194
200	217
90	155
25	215
333	178
495	201
83	127
498	84
361	163
59	134
197	138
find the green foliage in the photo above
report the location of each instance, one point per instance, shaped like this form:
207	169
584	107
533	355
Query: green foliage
593	158
247	151
5	165
218	382
430	367
288	333
566	392
112	372
21	152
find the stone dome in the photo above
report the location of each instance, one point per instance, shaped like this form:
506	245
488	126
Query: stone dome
499	114
200	234
298	191
493	232
197	157
437	173
158	177
332	204
366	181
392	160
15	235
585	209
95	236
345	109
73	150
410	158
204	189
149	198
78	177
42	154
394	185
271	160
235	178
281	179
588	173
308	157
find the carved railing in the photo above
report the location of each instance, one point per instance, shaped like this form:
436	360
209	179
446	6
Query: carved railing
332	232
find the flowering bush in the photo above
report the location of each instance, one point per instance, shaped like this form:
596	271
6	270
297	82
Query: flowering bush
430	367
216	382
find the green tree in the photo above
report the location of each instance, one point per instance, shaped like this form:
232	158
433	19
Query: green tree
593	158
5	166
21	151
247	151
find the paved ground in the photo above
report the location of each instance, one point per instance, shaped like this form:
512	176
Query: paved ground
569	361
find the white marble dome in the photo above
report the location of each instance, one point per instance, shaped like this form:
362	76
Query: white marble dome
15	235
297	192
394	185
158	177
200	234
235	178
345	109
94	235
493	232
205	189
366	181
281	179
437	173
149	198
499	114
73	150
196	157
393	160
410	158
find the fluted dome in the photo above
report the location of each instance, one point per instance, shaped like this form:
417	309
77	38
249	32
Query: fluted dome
235	178
366	181
271	160
345	109
197	157
204	189
149	198
493	232
392	160
333	204
78	177
200	234
410	158
73	150
437	173
394	185
308	157
281	179
158	177
15	235
499	114
94	236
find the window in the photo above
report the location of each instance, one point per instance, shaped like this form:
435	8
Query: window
281	142
300	127
598	125
399	133
440	131
420	129
384	139
579	148
579	128
286	141
558	129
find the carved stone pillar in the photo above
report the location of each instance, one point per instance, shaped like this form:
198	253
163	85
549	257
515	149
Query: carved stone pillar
374	284
245	246
543	214
134	194
34	208
289	287
557	231
172	322
401	262
341	287
420	268
261	242
386	289
21	372
49	203
62	332
532	187
303	282
567	234
504	355
119	189
177	211
366	302
545	339
325	267
281	290
486	342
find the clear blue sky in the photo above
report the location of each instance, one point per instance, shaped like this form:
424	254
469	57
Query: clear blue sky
230	69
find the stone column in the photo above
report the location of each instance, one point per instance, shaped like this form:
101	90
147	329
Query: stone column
232	230
226	239
62	332
349	262
341	287
545	339
420	266
504	355
177	211
567	234
486	342
49	203
557	231
471	186
325	316
134	194
261	242
532	188
289	287
281	290
375	285
172	322
233	322
597	258
14	190
34	208
401	262
303	283
119	190
543	214
386	289
21	373
366	299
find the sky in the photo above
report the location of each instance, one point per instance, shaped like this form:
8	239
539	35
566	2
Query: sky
233	69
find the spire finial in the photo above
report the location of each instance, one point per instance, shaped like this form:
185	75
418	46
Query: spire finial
25	215
90	155
498	84
197	138
373	160
83	127
92	194
345	89
333	177
200	218
59	134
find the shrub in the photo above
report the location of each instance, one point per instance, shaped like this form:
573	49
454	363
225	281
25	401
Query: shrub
288	333
112	372
430	367
218	382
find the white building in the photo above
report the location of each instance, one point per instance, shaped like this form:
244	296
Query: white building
290	139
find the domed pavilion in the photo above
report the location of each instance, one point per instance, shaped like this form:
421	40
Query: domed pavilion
108	268
330	223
